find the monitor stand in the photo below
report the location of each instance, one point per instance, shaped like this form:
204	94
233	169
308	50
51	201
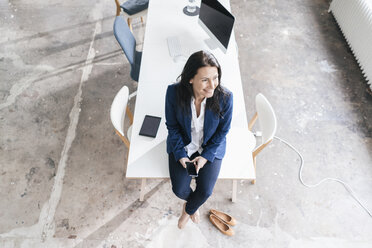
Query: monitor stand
211	43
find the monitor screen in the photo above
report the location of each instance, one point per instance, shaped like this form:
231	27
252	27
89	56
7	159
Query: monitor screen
217	19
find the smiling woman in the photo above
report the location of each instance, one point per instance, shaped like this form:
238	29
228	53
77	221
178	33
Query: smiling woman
200	66
198	116
204	82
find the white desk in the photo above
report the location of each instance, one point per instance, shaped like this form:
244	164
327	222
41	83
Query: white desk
147	156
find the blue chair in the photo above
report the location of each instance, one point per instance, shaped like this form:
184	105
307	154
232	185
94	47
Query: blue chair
127	42
133	9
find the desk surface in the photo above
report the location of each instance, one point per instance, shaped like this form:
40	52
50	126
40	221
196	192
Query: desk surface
147	156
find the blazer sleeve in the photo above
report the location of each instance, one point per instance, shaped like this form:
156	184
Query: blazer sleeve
209	151
175	142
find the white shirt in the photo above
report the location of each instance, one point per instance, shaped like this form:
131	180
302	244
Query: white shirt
197	125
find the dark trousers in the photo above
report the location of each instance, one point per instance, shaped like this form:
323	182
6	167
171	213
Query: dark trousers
204	182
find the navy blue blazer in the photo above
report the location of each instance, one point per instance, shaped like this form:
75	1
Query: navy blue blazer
179	127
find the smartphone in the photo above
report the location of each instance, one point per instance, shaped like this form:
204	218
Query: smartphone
191	170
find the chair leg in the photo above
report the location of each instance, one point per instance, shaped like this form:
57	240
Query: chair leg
123	138
142	19
254	163
130	24
143	186
126	164
234	191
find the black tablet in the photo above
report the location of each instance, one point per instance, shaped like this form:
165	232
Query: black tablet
150	126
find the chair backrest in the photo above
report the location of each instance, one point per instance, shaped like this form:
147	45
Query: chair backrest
266	118
118	108
132	7
125	38
127	42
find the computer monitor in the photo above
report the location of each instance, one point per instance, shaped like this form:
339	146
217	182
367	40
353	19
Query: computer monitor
218	22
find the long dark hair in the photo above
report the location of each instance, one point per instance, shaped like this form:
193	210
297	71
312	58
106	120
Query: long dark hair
184	90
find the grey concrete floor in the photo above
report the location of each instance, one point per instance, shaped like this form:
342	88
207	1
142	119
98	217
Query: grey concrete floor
62	168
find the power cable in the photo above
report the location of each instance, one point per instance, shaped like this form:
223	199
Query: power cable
347	187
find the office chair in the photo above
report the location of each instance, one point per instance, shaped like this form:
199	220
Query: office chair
267	122
132	9
119	108
127	42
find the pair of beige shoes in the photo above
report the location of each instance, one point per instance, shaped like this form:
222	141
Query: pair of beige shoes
222	221
182	221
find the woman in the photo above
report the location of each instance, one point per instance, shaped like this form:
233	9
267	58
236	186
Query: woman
198	113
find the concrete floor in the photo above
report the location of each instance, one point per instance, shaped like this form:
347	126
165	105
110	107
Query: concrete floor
62	166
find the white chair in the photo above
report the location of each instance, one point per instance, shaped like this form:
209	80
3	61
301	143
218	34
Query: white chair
267	123
130	13
119	108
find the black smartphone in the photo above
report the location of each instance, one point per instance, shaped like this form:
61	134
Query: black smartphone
191	170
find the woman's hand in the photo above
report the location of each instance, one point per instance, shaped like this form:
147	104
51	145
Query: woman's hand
199	163
183	161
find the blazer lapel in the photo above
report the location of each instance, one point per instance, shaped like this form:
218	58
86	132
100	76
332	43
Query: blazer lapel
210	122
187	125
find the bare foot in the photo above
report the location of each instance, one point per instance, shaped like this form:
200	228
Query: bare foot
182	221
195	217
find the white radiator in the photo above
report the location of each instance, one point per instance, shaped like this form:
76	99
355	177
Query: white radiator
355	20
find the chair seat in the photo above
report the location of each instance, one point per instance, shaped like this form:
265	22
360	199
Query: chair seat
132	7
129	132
136	66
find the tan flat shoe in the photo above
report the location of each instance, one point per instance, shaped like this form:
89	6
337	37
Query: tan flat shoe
195	217
184	218
224	217
222	226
